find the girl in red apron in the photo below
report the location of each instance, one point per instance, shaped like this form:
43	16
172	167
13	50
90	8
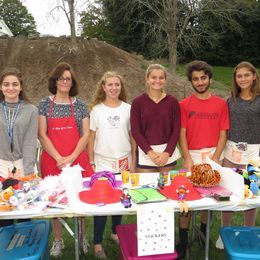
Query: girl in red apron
63	133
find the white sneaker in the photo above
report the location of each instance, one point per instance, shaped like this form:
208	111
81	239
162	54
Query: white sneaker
219	243
84	246
56	249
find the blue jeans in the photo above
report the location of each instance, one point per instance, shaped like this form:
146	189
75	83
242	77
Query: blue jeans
99	227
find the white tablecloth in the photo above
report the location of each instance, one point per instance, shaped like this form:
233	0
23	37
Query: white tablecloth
78	208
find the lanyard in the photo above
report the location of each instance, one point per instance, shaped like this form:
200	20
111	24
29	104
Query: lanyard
10	122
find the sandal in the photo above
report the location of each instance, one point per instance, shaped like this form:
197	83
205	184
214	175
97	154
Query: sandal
100	254
114	238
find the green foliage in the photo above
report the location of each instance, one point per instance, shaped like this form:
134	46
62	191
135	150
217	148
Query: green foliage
17	18
223	32
104	20
235	45
94	22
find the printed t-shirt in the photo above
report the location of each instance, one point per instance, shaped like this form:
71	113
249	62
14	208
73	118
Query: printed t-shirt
112	126
203	120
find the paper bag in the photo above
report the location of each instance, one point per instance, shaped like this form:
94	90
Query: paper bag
155	229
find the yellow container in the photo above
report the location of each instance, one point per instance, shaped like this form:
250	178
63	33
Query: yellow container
125	176
134	179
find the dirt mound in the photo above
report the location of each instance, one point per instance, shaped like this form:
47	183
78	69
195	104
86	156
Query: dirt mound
36	57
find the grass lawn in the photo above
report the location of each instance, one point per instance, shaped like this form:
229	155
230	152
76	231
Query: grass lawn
196	251
222	77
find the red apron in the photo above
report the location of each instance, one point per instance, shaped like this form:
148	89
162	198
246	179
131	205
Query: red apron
64	135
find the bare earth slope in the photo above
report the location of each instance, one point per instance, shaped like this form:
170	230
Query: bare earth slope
36	57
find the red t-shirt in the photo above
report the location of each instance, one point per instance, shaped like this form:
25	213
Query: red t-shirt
203	120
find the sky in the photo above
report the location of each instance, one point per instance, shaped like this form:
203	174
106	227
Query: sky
50	24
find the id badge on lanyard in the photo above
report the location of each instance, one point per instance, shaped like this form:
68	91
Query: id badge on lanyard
10	120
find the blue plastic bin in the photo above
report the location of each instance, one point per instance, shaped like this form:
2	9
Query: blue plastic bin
26	240
241	242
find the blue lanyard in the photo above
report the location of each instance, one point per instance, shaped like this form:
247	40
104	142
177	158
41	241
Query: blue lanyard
10	122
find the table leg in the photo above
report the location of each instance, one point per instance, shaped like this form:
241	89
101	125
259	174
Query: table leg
208	235
76	234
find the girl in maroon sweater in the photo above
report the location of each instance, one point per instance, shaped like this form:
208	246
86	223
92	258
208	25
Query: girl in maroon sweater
155	124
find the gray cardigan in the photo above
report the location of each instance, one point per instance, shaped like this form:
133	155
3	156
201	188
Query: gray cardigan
24	136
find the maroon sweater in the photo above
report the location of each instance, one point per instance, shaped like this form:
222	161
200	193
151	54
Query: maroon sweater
153	124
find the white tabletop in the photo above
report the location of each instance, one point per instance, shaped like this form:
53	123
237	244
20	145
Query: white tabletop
78	208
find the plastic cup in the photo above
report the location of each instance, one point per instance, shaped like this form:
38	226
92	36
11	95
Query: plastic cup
173	173
183	172
165	176
134	179
125	176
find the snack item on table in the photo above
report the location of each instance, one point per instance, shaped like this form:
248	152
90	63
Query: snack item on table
6	206
248	194
204	176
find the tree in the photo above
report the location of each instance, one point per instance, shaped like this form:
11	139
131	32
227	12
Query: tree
170	27
105	21
234	46
184	24
17	18
69	10
95	23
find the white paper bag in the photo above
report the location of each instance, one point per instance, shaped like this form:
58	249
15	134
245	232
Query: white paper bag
155	229
71	179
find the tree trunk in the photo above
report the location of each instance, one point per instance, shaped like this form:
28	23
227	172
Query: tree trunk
171	13
72	23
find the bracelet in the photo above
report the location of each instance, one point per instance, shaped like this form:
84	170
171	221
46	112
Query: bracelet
92	164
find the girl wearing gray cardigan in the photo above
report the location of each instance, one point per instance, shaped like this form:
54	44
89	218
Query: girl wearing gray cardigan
18	127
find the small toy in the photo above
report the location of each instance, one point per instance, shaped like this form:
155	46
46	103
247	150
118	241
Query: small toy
253	178
182	192
6	194
14	173
248	194
125	198
26	186
10	182
253	183
161	181
16	194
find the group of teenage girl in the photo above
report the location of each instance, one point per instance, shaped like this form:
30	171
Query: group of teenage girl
116	136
